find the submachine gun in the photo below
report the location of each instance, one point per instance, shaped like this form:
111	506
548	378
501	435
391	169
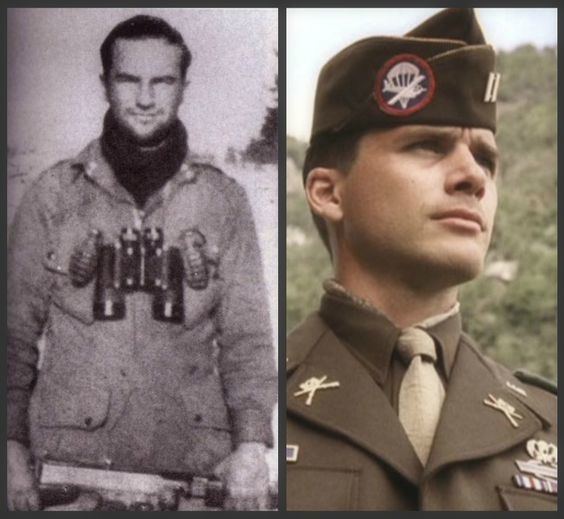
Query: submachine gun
61	484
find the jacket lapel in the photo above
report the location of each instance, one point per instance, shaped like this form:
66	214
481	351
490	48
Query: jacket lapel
470	429
357	409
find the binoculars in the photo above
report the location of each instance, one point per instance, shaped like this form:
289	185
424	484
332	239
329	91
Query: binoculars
139	261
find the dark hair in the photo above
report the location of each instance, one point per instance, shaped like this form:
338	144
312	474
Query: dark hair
330	151
141	27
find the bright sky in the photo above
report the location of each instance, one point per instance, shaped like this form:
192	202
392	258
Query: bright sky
315	35
56	101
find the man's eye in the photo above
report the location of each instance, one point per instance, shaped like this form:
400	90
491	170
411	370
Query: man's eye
166	80
125	79
487	163
429	145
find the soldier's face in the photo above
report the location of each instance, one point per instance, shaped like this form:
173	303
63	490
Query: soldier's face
145	86
420	202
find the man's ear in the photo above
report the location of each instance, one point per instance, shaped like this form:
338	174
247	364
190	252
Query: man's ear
185	84
104	86
324	193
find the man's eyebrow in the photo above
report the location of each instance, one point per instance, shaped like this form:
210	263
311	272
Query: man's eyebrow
165	77
485	148
125	75
430	132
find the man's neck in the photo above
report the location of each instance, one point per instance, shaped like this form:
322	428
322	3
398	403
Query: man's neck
403	304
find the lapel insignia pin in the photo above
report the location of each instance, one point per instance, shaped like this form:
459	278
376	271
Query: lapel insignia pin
292	453
312	385
507	409
490	95
515	388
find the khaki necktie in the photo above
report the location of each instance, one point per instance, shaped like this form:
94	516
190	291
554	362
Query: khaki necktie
421	392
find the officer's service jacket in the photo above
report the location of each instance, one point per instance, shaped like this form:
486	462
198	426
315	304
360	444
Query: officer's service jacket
136	393
348	451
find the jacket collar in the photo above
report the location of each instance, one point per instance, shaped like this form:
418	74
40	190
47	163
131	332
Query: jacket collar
92	163
373	336
470	429
359	410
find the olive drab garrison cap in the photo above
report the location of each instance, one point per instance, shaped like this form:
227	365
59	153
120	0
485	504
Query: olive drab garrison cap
440	73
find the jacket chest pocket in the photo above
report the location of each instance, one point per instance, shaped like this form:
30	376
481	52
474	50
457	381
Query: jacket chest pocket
199	304
310	489
201	285
71	300
517	499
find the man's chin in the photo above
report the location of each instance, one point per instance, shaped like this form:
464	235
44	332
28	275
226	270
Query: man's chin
148	136
460	267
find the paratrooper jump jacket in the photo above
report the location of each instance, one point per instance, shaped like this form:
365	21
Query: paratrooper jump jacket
137	393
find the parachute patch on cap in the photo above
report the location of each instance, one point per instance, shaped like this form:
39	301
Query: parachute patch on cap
405	84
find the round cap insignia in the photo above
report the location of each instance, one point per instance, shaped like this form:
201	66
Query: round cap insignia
405	84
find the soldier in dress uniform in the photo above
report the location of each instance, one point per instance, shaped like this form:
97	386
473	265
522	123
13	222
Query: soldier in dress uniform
390	405
142	268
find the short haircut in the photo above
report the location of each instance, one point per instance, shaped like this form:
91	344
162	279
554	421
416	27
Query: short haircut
338	152
142	27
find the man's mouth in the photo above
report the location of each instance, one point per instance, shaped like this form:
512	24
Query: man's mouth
463	217
144	118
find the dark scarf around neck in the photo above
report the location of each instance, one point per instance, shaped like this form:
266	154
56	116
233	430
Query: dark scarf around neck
143	171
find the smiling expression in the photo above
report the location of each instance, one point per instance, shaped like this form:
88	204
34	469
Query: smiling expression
145	86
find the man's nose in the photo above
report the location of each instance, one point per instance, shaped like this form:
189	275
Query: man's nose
145	96
466	174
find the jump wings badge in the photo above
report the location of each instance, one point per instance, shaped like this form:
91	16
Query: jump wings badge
540	473
405	84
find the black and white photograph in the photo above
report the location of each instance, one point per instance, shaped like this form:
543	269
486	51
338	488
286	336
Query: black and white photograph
142	287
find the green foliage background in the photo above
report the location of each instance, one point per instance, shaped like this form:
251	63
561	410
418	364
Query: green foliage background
515	321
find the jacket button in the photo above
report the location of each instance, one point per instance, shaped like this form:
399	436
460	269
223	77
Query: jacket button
88	421
198	418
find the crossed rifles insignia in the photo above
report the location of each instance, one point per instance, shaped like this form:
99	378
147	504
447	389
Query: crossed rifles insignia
312	385
507	409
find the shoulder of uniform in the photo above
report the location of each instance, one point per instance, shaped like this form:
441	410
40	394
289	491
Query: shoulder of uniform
503	373
302	339
56	176
206	167
536	393
213	176
536	380
68	170
210	173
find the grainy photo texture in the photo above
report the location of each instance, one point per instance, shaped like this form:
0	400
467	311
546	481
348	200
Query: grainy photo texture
142	263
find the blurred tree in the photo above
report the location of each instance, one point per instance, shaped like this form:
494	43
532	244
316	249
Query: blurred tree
264	150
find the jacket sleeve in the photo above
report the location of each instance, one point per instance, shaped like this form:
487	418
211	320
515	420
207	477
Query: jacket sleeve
27	297
246	356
